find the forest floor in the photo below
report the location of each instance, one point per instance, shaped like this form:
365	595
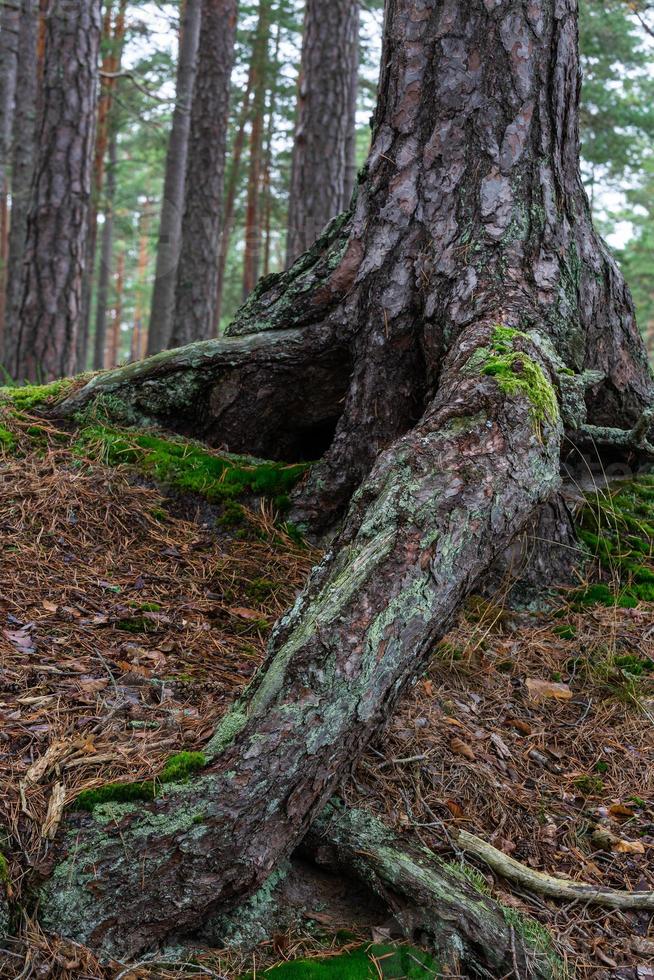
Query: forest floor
133	613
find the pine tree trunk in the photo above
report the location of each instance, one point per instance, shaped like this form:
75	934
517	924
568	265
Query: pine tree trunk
198	266
321	173
139	330
253	238
230	198
106	262
9	41
113	41
479	324
22	168
114	352
57	226
172	207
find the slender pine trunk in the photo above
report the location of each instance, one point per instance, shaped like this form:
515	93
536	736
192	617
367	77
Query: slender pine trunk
106	260
139	329
252	259
321	177
172	207
57	225
22	167
230	198
9	43
195	296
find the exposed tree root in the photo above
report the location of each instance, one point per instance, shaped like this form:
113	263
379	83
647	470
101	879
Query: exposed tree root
544	884
272	394
433	903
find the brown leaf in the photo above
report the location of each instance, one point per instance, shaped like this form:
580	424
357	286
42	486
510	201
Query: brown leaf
620	810
428	688
539	690
243	613
522	726
455	809
462	748
628	847
50	606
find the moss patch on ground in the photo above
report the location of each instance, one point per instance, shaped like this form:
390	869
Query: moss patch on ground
617	528
4	869
394	962
189	467
178	769
27	397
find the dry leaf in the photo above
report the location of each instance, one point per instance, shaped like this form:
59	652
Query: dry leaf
619	810
547	689
50	606
522	726
428	688
462	748
455	809
628	847
245	613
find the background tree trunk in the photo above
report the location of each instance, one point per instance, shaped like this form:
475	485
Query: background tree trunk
22	167
260	66
113	39
9	30
321	181
172	206
198	266
106	262
57	225
230	198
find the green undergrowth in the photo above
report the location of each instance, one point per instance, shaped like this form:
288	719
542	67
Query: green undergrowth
4	869
518	374
177	770
617	528
188	467
389	962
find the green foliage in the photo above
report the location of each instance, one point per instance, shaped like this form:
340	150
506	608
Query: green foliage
178	769
4	869
189	467
589	785
395	962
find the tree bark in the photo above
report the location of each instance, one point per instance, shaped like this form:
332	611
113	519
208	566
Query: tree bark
198	267
260	66
114	40
22	168
106	262
480	320
9	42
230	199
321	179
57	225
172	206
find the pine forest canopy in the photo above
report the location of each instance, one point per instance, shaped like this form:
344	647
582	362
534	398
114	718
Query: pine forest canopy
430	364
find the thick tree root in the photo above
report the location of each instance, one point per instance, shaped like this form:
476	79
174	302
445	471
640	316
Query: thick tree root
276	395
433	902
436	510
544	884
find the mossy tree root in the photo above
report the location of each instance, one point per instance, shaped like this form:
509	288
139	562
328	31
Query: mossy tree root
265	394
436	510
433	903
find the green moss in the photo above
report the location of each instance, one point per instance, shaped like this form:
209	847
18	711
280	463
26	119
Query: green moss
395	962
635	665
4	869
260	589
26	397
7	440
470	874
517	374
589	785
177	769
533	933
566	632
189	467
